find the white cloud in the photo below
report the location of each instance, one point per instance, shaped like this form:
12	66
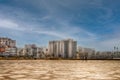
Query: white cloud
9	24
60	35
61	27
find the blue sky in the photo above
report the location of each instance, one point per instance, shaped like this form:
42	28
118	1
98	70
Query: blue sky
93	23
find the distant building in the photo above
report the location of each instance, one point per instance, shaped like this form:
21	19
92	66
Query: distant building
62	48
30	50
11	51
20	52
104	55
7	42
116	55
45	50
41	52
7	46
86	53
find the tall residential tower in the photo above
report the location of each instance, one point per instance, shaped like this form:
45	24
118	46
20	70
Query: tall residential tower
63	48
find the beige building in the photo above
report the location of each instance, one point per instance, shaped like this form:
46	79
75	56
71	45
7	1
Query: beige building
31	50
41	52
89	53
8	46
7	42
20	52
62	48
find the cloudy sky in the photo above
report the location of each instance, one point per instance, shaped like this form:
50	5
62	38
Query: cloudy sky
93	23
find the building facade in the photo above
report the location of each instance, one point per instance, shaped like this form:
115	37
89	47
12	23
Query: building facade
63	48
33	51
86	53
8	46
7	42
30	50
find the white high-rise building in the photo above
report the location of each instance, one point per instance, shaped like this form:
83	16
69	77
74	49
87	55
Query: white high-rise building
63	48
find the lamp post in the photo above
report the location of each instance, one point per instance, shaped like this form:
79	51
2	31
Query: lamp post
116	51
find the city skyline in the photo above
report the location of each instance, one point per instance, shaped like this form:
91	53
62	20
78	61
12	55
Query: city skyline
57	49
91	23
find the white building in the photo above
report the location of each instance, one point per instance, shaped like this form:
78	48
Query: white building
63	48
45	50
41	52
7	42
20	52
11	51
8	46
31	50
88	53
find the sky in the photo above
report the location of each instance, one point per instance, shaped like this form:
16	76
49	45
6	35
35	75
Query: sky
92	23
